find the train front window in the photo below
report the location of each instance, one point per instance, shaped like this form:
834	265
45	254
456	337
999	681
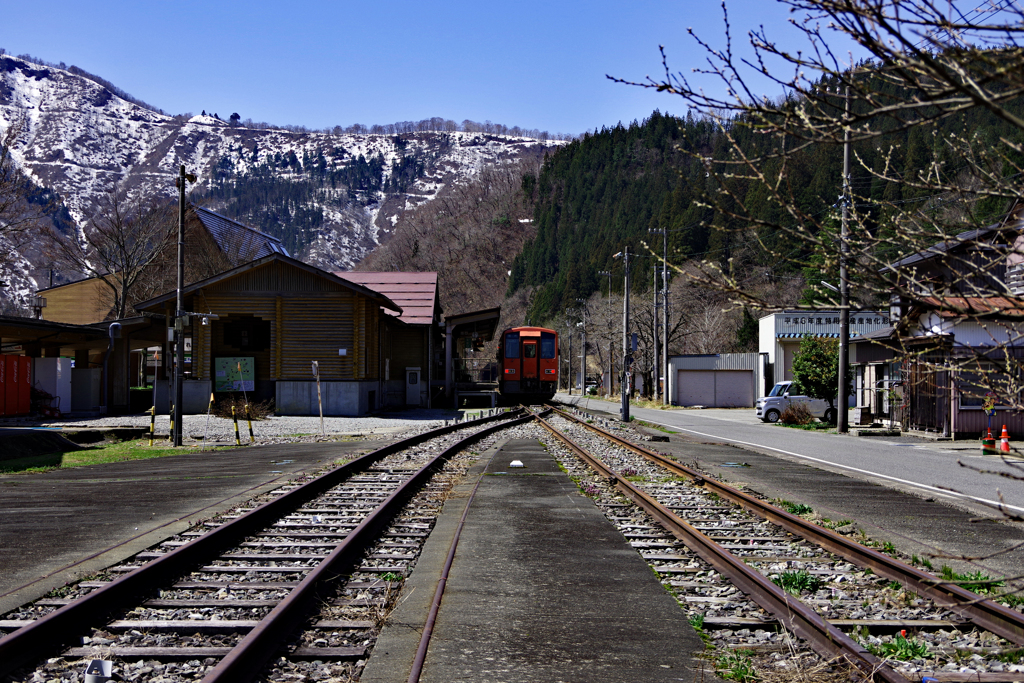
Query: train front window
529	350
512	345
547	345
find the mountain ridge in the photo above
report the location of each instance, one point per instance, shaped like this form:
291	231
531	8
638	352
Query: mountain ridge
81	139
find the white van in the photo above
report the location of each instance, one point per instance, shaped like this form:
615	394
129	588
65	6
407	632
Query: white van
769	408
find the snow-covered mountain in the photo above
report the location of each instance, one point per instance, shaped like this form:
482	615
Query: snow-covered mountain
350	190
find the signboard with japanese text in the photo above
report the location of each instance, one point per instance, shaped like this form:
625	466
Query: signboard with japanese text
793	323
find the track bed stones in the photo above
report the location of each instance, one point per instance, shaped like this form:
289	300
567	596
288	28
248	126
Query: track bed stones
915	635
182	630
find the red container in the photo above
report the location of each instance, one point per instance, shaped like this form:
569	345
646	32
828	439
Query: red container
3	384
24	385
11	385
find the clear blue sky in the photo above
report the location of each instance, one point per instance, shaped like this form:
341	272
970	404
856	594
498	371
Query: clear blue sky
532	64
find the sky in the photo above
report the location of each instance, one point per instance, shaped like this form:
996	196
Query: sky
537	65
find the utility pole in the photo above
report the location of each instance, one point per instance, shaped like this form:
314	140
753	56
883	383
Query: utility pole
654	324
611	345
842	423
662	372
664	318
583	349
570	364
179	312
625	339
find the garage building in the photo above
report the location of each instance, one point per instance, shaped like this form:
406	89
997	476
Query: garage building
716	380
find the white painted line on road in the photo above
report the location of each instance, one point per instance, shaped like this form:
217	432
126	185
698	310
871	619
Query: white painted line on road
934	489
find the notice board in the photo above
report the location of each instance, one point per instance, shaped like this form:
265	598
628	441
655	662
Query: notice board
234	373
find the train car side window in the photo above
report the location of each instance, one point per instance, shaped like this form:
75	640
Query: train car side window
529	350
512	345
547	345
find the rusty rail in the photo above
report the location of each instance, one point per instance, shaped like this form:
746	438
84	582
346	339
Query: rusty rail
55	629
823	637
982	612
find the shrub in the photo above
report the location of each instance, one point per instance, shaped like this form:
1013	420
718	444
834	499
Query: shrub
259	411
796	414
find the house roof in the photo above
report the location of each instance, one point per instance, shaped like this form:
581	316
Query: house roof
382	300
960	306
237	238
416	293
1012	219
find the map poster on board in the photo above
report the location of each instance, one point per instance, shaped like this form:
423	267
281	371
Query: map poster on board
234	373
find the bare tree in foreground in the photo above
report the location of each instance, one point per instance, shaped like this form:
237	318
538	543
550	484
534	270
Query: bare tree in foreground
118	246
928	220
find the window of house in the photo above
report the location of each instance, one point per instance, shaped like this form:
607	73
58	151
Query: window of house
975	383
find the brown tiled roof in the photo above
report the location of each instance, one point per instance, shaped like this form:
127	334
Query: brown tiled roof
415	293
958	306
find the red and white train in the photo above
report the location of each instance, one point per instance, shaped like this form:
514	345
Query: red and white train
528	357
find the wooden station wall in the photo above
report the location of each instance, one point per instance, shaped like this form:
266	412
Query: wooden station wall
310	318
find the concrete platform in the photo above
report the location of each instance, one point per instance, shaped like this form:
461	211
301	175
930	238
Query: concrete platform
62	525
543	588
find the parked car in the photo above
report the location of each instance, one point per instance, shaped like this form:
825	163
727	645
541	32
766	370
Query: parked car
784	394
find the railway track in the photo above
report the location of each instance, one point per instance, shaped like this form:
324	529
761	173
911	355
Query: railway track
299	584
712	545
219	602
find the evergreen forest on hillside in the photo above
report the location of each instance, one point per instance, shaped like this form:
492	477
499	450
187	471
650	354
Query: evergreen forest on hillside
605	190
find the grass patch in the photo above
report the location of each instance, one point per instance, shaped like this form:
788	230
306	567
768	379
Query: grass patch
649	403
1011	599
100	454
796	582
657	427
832	525
809	427
972	581
794	508
736	667
903	649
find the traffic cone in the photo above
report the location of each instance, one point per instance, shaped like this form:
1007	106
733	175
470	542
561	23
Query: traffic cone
988	444
1004	441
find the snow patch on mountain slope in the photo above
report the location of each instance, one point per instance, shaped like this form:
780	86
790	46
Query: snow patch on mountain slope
82	140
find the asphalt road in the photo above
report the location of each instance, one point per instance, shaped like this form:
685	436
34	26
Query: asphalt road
926	467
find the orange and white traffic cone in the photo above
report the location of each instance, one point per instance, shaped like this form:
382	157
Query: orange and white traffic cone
1004	441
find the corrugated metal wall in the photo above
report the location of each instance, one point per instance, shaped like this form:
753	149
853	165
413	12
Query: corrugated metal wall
716	361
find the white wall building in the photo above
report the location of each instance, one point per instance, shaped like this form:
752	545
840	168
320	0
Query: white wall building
779	338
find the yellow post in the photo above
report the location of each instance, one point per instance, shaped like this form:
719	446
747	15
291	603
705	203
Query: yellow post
152	424
234	416
171	413
248	416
